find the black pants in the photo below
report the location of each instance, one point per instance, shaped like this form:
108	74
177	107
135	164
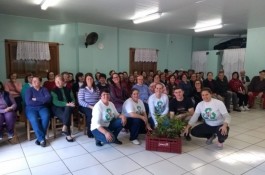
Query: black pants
18	101
135	126
243	98
64	114
206	131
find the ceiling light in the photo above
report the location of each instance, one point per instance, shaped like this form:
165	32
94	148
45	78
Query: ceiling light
213	22
38	2
208	28
147	18
45	4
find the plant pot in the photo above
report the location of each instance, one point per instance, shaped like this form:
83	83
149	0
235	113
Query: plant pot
163	144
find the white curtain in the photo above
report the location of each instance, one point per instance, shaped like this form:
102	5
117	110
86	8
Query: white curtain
145	55
233	60
199	59
34	51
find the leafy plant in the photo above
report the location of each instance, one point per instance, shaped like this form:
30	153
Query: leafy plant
169	128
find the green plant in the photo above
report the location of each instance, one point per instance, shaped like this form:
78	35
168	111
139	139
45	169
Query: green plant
169	128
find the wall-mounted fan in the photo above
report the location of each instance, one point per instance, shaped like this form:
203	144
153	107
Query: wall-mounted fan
91	39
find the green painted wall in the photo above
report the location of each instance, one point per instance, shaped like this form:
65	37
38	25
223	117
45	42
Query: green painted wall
255	53
200	44
174	50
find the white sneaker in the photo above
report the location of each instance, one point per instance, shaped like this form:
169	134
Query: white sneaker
246	108
135	142
242	108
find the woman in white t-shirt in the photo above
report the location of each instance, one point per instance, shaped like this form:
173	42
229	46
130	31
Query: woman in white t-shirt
216	119
133	108
158	104
106	122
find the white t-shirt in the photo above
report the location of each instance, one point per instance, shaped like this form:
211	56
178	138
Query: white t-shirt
102	114
158	106
130	106
212	112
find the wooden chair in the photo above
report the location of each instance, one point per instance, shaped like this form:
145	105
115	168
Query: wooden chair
14	140
57	125
82	122
30	131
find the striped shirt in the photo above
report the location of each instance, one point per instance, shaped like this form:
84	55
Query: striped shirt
87	97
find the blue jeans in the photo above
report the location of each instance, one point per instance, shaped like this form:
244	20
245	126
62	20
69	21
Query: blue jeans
135	126
88	113
39	119
114	128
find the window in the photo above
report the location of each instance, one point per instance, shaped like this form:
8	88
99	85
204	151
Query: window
22	67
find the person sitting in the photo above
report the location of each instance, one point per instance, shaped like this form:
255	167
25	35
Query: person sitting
13	87
63	105
157	80
66	80
185	85
118	92
237	87
158	104
216	119
181	107
106	122
244	78
50	83
256	88
171	86
222	90
88	96
196	94
144	91
28	84
137	121
79	81
102	83
7	112
37	112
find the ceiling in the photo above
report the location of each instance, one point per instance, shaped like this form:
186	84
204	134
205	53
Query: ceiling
179	16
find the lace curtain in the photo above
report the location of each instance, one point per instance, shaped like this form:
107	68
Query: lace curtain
33	51
199	59
233	60
145	55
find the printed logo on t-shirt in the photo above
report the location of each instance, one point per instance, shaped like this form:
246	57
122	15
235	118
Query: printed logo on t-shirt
139	110
208	114
159	107
107	115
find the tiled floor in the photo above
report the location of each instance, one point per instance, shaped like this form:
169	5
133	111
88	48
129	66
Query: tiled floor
243	153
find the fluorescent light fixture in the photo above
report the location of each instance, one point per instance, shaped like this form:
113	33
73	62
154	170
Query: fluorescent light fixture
38	2
147	18
46	3
208	23
209	28
146	12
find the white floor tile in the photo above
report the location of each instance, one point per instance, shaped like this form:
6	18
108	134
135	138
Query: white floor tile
256	150
261	167
261	144
247	158
238	144
106	155
209	170
41	159
13	165
22	172
80	162
33	150
145	158
256	134
139	172
165	155
59	143
255	172
55	168
83	139
248	139
187	162
91	146
129	148
206	154
121	166
94	170
10	155
72	151
225	151
165	167
231	165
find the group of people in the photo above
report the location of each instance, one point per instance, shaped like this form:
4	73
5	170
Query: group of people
129	101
